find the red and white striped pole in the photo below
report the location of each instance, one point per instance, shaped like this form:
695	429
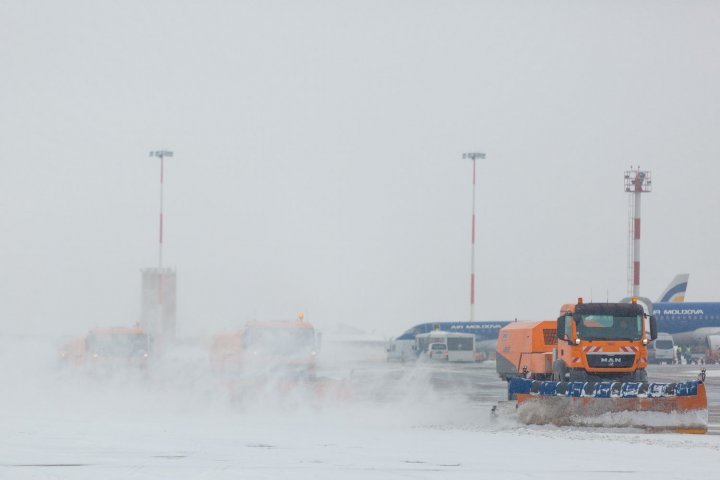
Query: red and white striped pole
637	182
162	174
473	157
636	238
161	154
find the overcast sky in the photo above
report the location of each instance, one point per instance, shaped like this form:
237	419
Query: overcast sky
318	151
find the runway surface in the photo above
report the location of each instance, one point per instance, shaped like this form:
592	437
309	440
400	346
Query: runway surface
480	382
364	418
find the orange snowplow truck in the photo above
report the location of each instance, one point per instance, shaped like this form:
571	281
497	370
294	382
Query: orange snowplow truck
285	344
588	342
117	345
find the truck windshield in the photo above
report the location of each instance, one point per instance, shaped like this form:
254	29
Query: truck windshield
118	344
609	327
280	341
664	344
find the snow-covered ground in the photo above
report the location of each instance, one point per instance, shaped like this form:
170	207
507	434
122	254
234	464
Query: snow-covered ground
178	422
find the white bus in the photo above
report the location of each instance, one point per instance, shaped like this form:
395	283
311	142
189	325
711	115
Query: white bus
455	347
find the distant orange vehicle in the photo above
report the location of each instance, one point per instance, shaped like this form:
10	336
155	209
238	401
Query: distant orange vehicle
274	361
73	352
116	345
290	344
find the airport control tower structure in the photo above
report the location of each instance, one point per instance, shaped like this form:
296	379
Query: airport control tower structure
637	182
157	302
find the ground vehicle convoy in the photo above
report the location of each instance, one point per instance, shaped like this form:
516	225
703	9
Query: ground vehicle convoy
109	346
662	349
589	362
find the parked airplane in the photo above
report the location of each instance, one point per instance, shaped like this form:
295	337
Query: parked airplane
689	322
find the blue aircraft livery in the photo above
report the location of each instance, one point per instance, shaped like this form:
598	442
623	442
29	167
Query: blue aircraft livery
683	317
482	330
674	316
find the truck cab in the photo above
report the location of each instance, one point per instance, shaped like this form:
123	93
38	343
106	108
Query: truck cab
290	345
603	341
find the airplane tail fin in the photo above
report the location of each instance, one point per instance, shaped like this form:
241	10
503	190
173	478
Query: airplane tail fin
675	292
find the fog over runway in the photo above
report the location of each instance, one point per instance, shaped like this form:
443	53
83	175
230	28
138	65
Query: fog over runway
401	420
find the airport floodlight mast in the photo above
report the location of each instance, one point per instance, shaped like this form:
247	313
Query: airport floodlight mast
637	182
473	156
161	154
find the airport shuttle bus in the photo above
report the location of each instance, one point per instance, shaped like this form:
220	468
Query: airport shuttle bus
455	347
486	333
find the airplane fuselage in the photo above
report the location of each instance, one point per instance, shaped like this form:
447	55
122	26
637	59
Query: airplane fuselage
486	333
688	322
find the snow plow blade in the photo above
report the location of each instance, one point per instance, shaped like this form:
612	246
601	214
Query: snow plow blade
678	407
